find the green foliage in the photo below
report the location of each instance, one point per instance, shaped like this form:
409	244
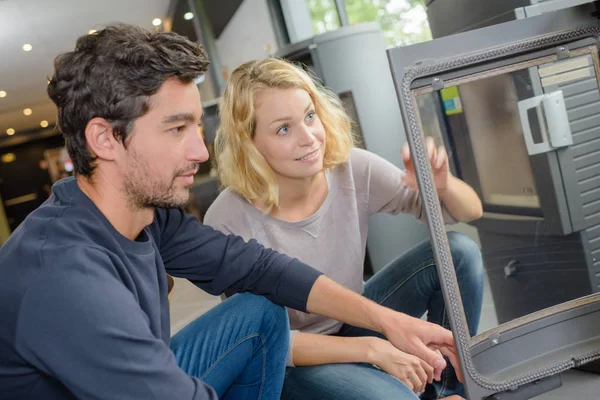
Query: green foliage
393	16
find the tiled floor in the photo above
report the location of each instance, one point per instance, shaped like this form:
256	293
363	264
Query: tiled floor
189	302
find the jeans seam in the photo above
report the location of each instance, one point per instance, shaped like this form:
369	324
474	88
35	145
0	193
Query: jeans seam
232	347
264	369
425	265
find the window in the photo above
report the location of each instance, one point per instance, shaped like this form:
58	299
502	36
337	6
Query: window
324	15
401	21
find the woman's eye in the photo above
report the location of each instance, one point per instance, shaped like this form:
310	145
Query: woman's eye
283	130
311	116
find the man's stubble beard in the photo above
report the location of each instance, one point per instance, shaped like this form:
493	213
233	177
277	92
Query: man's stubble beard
142	192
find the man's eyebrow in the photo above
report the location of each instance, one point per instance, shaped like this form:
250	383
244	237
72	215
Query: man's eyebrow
182	117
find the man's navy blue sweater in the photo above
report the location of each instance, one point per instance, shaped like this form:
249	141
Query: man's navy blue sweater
84	311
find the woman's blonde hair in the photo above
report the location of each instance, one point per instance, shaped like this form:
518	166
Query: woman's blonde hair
241	166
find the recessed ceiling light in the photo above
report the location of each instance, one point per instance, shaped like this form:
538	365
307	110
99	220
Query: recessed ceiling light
92	31
27	47
2	93
156	21
44	124
27	111
188	15
10	131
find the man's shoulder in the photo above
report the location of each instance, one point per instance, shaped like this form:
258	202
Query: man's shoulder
49	249
65	224
54	229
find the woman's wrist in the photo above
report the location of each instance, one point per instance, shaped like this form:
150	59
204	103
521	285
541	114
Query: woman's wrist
373	349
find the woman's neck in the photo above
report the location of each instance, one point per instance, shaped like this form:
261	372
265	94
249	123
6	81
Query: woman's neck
299	199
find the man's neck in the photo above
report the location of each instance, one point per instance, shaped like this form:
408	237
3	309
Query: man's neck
114	206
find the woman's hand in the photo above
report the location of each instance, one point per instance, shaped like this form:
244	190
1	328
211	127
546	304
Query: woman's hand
439	165
459	198
412	371
427	341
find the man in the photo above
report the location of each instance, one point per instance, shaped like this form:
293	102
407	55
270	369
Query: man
84	290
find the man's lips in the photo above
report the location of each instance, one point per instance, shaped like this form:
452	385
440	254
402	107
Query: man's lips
190	173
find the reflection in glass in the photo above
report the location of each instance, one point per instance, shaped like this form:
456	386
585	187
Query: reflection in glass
484	116
496	137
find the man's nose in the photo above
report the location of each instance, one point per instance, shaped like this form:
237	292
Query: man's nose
197	151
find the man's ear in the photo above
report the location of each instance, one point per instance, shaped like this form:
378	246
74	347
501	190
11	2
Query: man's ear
100	139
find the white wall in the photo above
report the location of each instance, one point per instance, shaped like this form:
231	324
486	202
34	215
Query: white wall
247	35
297	19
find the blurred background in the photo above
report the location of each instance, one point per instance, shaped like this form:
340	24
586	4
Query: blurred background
34	32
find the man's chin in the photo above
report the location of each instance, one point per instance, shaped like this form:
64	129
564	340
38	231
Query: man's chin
175	202
184	199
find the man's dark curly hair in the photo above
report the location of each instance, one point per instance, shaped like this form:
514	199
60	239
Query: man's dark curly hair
111	75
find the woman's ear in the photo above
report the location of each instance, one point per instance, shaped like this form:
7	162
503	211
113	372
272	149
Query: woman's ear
100	139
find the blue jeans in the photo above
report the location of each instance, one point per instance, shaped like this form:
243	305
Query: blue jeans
239	348
409	285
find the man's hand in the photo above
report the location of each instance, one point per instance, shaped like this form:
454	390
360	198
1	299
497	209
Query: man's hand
423	339
411	370
439	165
411	335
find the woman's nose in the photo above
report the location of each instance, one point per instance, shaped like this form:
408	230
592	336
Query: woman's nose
307	138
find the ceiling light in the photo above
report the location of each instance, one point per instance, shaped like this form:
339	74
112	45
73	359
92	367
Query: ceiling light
44	124
188	15
2	93
91	32
7	158
156	21
27	111
27	47
10	131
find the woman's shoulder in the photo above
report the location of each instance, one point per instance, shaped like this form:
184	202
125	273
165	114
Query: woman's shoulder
360	157
365	162
351	175
362	167
358	163
227	210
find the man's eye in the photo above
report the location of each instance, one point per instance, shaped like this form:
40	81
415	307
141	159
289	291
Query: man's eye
178	129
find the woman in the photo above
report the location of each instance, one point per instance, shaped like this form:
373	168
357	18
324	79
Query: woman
295	183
